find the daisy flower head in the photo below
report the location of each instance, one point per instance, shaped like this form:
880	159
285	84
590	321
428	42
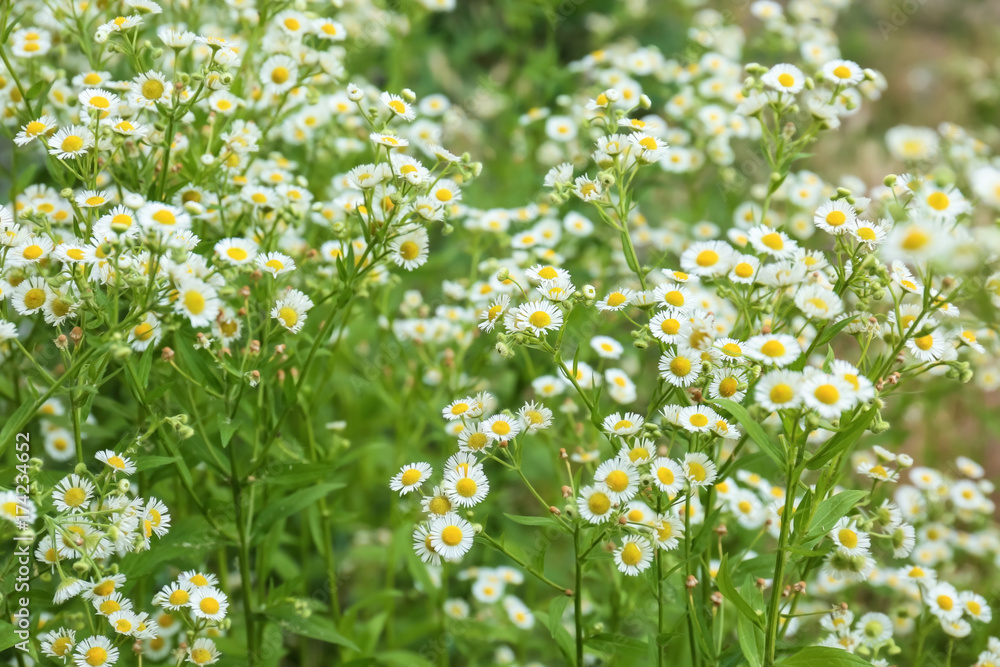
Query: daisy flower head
595	504
623	425
779	390
744	269
784	78
708	258
173	596
409	250
466	486
209	603
145	333
677	297
279	74
680	369
535	417
96	651
102	101
666	325
828	395
398	106
943	601
291	310
501	428
236	251
163	217
849	539
606	347
198	301
275	263
39	127
457	409
70	142
699	469
58	643
697	418
773	349
667	474
726	383
116	462
930	347
410	477
538	317
771	242
451	536
835	217
620	479
634	556
72	493
667	530
843	72
203	652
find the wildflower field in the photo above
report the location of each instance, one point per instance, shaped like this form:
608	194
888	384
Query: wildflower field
416	333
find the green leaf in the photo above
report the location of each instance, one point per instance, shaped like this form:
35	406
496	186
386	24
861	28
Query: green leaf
556	609
562	637
830	511
292	504
8	637
752	428
823	656
532	520
845	439
729	591
151	462
313	626
750	635
226	429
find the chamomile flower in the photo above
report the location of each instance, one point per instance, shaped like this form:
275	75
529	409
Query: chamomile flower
236	251
620	479
95	651
828	395
615	300
943	601
279	74
744	269
726	383
198	301
117	463
772	242
538	317
667	474
623	424
72	493
779	390
929	347
291	310
34	129
398	106
699	469
466	486
666	325
410	250
58	643
500	427
535	417
680	368
410	477
175	596
773	349
697	418
451	536
634	556
708	258
203	652
595	504
70	142
784	78
275	263
975	606
849	539
209	603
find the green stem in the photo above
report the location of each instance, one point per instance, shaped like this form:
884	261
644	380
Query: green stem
578	598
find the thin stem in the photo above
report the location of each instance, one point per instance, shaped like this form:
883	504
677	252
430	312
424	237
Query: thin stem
578	598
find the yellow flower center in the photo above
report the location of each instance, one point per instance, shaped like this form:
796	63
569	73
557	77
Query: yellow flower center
827	394
616	299
773	349
848	538
410	477
540	319
916	239
680	366
96	656
924	342
697	471
617	481
75	496
599	503
164	217
945	602
707	258
835	218
842	72
199	580
451	535
152	89
179	597
501	428
938	201
773	241
288	316
194	302
786	80
631	554
698	419
466	487
670	326
236	253
665	475
72	144
675	298
781	393
728	387
279	75
409	250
